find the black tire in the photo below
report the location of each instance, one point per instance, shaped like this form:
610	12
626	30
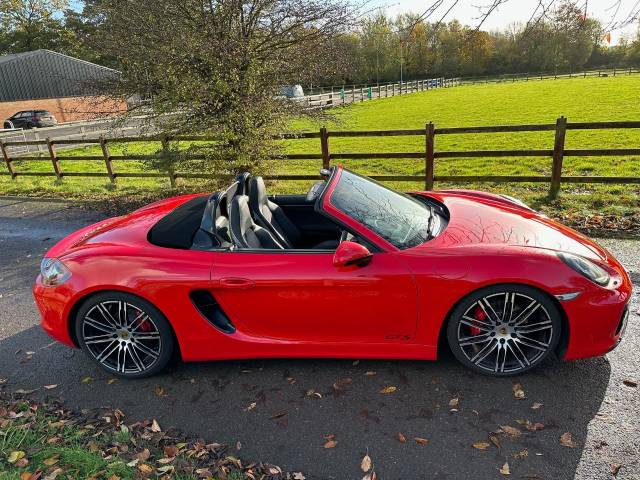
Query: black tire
7	125
478	336
145	351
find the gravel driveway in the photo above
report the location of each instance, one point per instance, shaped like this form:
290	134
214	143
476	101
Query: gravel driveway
284	411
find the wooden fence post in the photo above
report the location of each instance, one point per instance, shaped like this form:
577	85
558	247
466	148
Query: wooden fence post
107	158
430	134
167	155
7	159
54	159
324	147
558	155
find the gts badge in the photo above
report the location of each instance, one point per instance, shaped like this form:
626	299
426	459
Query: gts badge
397	337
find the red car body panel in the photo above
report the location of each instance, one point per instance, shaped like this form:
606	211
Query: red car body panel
297	304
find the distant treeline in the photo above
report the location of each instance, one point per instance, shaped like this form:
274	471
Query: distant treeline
564	41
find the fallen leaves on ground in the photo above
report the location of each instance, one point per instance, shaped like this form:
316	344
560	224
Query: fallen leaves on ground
454	402
530	425
365	464
50	387
481	445
521	454
505	469
566	440
630	383
160	391
15	456
86	380
509	430
370	373
340	385
313	393
537	405
389	389
172	451
420	440
615	468
145	469
155	426
143	455
518	391
330	444
22	391
401	438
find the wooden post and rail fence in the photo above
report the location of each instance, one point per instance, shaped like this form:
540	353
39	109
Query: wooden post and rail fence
326	157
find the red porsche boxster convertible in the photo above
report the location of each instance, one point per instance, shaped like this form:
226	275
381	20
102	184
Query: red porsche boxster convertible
352	269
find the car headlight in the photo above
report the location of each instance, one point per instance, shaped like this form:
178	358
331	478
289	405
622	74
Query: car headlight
54	272
585	267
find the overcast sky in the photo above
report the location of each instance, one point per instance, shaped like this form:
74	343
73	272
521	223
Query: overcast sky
466	11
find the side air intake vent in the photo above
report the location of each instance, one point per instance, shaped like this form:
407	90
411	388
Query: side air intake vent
209	309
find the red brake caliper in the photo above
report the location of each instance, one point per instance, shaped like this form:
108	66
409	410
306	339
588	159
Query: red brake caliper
478	314
145	326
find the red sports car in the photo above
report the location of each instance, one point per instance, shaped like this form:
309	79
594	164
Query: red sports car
352	269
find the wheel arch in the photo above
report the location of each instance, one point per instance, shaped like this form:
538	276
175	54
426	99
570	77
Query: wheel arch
560	349
71	318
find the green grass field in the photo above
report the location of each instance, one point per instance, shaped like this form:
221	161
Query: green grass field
580	100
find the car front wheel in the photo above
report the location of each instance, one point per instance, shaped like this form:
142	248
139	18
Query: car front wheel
504	330
125	335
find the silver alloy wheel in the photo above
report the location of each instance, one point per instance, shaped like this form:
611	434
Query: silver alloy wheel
505	332
121	336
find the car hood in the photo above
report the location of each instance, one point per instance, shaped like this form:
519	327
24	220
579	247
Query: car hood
489	219
128	230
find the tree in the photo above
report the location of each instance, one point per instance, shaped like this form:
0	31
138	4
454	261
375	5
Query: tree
29	24
217	66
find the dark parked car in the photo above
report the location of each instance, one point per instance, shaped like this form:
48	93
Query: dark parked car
30	119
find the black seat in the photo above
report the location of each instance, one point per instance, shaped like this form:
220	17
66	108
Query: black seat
214	226
270	216
206	237
243	183
244	231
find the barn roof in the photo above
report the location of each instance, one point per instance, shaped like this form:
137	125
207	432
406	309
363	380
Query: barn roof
48	74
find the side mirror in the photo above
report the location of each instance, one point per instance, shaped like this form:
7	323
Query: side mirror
351	253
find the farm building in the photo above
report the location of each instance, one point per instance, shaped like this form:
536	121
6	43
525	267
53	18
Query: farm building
67	87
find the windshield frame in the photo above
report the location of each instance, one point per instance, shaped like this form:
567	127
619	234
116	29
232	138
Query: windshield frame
327	206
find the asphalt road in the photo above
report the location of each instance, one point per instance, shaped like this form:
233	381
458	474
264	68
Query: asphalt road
287	427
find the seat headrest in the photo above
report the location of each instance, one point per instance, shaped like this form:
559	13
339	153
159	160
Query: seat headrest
243	183
258	191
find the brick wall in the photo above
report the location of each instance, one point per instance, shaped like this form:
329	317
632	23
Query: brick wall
66	109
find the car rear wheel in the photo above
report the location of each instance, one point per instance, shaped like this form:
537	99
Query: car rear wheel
504	330
125	335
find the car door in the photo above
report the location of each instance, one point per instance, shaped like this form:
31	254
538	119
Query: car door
298	295
17	120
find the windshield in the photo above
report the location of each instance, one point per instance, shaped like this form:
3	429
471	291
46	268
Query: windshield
398	218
